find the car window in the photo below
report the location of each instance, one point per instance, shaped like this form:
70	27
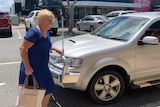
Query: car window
113	15
125	26
31	14
2	14
155	26
153	30
36	13
87	19
83	19
90	19
126	13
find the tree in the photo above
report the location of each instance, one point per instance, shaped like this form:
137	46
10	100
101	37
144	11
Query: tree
70	10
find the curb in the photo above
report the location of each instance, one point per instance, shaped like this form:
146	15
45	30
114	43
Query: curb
60	30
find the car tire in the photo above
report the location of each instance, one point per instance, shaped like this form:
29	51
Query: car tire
78	27
91	28
108	91
10	34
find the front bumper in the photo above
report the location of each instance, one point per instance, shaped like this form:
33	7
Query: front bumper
63	76
5	29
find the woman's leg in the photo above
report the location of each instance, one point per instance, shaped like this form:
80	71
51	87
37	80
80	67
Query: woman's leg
46	100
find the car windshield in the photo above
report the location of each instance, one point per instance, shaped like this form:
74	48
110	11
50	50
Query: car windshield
121	28
2	14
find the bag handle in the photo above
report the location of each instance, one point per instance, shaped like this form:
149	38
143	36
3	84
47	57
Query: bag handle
35	83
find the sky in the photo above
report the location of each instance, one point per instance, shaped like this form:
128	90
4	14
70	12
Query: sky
5	5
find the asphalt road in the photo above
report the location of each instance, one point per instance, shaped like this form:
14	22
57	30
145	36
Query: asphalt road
9	70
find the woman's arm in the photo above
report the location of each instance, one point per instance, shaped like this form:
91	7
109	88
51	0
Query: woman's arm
24	55
57	50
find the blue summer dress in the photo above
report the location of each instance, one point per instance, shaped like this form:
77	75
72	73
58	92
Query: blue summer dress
38	56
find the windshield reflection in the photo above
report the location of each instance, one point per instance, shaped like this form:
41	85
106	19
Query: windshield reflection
121	28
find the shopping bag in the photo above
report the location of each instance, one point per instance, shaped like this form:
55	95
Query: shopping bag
30	96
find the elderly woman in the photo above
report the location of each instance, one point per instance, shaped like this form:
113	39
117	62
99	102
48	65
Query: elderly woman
34	52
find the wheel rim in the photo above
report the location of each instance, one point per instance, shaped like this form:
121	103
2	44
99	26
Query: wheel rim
107	87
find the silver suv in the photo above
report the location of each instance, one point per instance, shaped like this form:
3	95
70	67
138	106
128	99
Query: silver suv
121	53
31	20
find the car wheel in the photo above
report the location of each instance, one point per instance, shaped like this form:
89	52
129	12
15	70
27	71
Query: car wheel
78	27
106	87
10	34
91	28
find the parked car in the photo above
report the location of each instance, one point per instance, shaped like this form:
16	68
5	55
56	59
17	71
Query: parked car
121	53
114	14
31	20
91	22
5	24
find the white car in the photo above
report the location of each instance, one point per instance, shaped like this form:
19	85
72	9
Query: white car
123	52
31	20
114	14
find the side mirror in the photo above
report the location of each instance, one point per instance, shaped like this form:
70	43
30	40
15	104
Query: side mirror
149	40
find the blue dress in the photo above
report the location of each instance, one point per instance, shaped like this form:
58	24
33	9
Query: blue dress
38	56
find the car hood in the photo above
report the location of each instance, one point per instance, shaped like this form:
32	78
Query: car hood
85	44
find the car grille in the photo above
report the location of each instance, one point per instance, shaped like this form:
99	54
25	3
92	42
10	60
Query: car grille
55	60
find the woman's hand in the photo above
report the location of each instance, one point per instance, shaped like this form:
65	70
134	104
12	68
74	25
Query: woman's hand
57	50
28	71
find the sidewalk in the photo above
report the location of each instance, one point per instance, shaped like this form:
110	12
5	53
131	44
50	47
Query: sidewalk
76	32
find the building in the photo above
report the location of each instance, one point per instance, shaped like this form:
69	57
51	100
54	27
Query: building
17	7
156	5
82	6
85	7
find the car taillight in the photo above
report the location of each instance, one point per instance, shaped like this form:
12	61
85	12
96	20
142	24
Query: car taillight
100	23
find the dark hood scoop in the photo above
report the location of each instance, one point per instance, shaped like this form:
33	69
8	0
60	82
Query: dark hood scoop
72	41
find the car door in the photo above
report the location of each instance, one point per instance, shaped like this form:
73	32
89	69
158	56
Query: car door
148	56
83	22
89	22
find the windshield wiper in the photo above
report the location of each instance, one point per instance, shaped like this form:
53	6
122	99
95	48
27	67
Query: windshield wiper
99	35
118	39
92	33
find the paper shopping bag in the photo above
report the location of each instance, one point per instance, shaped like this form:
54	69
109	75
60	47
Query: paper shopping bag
30	97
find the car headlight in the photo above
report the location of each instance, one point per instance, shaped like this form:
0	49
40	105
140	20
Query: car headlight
73	62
